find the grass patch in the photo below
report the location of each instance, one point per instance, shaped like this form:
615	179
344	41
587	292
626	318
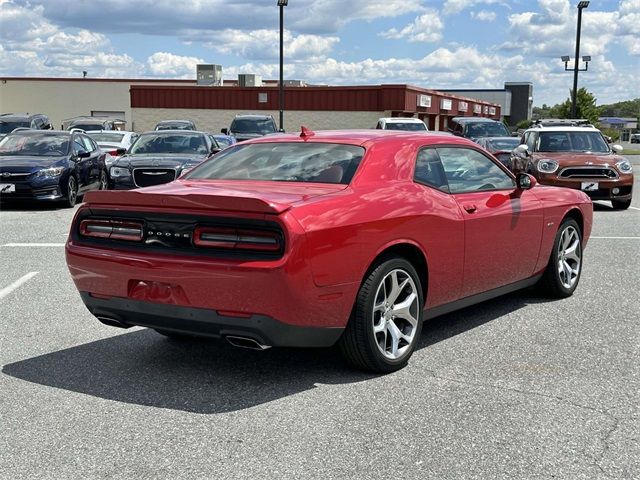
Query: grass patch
631	152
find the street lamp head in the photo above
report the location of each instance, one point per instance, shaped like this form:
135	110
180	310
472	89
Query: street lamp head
583	4
284	3
565	58
586	58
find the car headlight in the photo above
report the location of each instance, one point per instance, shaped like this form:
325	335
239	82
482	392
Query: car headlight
50	172
119	172
547	166
624	166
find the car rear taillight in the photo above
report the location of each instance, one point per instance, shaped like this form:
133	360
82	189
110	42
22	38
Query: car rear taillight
114	153
235	238
113	229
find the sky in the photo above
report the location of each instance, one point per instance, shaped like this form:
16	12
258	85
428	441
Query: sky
448	44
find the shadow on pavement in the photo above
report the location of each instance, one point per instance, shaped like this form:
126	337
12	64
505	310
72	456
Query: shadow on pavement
31	205
203	376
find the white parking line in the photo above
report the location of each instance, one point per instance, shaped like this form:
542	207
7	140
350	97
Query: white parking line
635	208
33	245
7	290
617	238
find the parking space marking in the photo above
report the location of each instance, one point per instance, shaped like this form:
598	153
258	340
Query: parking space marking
617	238
635	208
33	245
7	290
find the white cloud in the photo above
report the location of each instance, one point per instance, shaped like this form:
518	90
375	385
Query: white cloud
452	7
168	65
484	16
425	28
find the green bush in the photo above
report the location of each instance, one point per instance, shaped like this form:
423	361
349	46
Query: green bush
524	124
611	132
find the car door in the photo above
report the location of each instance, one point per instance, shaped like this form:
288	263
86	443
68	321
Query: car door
502	224
83	165
94	161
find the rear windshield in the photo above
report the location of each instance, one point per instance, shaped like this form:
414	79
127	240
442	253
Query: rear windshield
260	126
409	126
504	143
486	129
35	145
153	143
175	126
8	127
284	162
107	137
87	126
571	142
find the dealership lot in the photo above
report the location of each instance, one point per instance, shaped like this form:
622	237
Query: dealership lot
515	387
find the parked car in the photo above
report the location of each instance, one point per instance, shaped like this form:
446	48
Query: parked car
246	127
160	157
224	140
401	123
634	138
50	165
476	127
500	147
578	158
324	237
175	125
93	123
113	142
10	121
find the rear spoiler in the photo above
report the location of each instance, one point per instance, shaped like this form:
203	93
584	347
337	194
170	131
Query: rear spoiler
228	201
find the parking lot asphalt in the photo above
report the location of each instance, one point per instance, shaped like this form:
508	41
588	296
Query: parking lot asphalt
517	387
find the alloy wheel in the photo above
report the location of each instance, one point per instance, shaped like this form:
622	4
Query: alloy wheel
395	314
569	257
72	189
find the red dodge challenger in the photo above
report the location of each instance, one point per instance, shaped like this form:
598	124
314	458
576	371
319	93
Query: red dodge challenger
306	240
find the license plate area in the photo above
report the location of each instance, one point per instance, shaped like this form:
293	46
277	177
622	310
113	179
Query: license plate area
589	186
7	188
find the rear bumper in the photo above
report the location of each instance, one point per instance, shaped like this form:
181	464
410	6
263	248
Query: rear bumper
209	323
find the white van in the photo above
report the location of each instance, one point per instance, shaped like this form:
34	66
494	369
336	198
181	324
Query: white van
402	123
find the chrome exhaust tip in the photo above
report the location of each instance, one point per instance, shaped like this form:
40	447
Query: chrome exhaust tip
246	342
112	322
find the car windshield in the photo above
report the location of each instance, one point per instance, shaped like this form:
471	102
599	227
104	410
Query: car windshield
8	127
169	143
107	137
35	145
571	142
174	126
486	129
285	162
409	126
503	143
87	126
261	126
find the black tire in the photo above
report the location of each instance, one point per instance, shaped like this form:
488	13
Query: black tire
104	181
554	283
620	204
359	345
72	192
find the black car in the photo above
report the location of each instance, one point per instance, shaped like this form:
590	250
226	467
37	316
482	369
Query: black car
10	121
476	127
246	127
175	125
50	165
160	157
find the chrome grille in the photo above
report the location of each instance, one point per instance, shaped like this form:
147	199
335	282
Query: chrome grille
146	177
588	172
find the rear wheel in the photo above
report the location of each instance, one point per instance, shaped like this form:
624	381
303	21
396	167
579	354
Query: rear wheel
620	204
386	321
103	185
562	275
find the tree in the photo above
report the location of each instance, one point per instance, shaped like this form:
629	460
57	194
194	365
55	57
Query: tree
585	106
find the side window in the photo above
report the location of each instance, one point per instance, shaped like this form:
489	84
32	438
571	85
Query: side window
78	145
429	170
468	170
379	126
37	123
89	146
531	141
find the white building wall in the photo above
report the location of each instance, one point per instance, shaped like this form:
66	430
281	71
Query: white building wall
145	119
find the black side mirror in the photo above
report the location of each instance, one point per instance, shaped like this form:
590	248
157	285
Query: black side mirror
83	154
525	181
224	131
457	133
121	151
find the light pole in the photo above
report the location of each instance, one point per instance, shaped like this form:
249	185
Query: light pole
574	94
282	4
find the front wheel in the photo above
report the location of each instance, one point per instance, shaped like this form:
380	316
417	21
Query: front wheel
620	204
104	183
72	192
386	321
562	275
